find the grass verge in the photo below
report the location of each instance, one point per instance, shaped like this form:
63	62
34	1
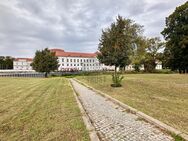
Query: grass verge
162	96
39	109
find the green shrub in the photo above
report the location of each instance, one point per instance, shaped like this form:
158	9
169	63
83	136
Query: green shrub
116	79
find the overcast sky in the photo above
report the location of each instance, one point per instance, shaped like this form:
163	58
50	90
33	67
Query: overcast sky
73	25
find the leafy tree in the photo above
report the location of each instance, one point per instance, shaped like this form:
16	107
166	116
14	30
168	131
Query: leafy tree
2	62
153	51
176	35
116	44
45	61
147	53
166	58
9	62
139	53
6	62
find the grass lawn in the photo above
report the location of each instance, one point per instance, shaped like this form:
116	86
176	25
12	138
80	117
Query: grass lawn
39	109
162	96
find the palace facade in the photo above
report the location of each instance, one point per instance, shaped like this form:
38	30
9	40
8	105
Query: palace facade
68	61
74	61
78	61
22	64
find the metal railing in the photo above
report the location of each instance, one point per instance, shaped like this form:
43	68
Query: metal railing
21	74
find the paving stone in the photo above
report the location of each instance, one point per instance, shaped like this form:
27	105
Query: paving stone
113	123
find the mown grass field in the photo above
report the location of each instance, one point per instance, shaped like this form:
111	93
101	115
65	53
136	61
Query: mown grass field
39	109
162	96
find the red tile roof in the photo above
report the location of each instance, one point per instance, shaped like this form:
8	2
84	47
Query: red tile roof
27	59
62	53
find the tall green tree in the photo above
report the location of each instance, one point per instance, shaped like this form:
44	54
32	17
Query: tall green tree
176	35
139	53
149	51
166	58
6	62
153	53
2	62
9	62
45	61
117	43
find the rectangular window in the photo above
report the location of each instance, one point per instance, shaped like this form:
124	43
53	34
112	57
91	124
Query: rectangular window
71	64
70	60
67	60
77	64
77	60
80	60
74	64
62	59
74	60
67	64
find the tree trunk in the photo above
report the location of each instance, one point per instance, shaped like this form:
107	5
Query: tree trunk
179	71
183	71
123	69
115	71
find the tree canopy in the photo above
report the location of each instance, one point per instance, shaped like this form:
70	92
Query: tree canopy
153	53
139	53
176	35
45	61
117	42
147	53
6	62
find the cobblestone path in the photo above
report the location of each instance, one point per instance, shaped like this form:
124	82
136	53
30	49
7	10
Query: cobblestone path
113	123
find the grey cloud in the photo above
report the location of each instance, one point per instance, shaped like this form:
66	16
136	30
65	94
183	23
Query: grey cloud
28	25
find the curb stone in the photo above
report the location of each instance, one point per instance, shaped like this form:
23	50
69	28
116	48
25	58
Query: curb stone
92	133
149	119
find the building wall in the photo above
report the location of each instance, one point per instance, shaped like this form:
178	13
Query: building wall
67	64
22	65
74	63
130	67
79	63
158	67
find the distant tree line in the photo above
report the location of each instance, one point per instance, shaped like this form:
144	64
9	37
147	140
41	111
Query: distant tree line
6	62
